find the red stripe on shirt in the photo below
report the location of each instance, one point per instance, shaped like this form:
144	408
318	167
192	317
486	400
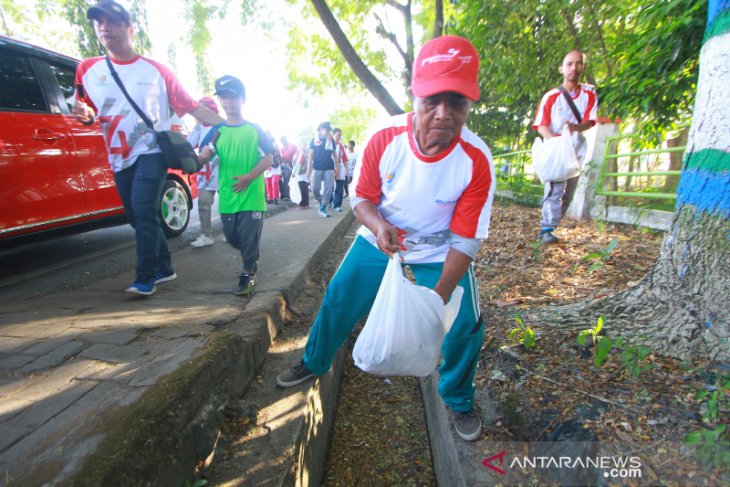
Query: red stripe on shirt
468	211
369	185
589	107
179	99
544	111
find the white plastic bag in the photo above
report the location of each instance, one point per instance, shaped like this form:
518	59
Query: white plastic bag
295	194
554	159
405	328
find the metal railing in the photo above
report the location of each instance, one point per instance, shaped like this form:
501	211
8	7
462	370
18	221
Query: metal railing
514	171
639	157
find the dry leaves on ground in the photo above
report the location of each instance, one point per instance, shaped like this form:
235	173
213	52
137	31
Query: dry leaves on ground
556	382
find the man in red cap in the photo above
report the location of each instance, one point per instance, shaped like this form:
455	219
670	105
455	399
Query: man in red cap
424	188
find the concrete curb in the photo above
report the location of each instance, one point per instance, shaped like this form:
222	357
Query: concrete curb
175	424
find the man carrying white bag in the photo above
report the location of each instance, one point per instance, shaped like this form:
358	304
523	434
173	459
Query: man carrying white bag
423	188
564	113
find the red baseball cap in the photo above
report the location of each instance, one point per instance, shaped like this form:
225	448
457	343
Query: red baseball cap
446	63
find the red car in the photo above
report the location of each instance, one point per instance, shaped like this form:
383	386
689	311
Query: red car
54	170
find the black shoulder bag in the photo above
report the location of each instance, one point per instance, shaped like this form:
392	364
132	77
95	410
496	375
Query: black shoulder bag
176	150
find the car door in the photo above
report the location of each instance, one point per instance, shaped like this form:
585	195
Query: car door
40	181
100	191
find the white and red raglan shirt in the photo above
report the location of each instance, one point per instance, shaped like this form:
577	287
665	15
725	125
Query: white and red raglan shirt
555	112
427	198
152	86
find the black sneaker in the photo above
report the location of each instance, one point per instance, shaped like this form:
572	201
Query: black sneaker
246	283
294	376
468	425
548	238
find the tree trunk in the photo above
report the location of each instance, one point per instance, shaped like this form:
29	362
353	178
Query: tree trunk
675	160
681	307
438	25
357	65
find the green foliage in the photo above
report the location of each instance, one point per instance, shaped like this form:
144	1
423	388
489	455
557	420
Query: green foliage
522	334
713	439
315	63
197	14
600	256
642	55
633	358
602	344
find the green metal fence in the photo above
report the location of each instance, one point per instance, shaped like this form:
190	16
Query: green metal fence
514	172
635	177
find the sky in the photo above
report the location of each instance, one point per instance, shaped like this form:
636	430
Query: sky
245	52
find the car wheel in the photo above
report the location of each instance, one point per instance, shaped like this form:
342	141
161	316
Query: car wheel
175	209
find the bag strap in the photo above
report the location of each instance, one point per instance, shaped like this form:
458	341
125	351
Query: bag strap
578	118
139	111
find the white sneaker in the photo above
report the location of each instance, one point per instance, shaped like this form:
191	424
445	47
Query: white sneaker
202	241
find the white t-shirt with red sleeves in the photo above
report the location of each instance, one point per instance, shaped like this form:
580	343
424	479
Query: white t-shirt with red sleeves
554	111
427	198
152	86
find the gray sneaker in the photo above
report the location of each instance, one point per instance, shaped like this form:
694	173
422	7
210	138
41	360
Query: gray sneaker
294	376
548	238
468	425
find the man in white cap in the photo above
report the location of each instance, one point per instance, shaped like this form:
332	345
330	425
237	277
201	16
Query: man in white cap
424	188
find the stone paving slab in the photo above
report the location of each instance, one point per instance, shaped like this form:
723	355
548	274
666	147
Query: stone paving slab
100	387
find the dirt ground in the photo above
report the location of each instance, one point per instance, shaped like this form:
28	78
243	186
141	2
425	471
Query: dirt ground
380	437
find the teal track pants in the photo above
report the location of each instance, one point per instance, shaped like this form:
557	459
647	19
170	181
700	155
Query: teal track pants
350	296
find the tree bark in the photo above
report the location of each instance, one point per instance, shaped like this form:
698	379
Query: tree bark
438	25
352	58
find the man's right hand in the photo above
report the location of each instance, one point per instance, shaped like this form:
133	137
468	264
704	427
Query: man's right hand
83	112
387	238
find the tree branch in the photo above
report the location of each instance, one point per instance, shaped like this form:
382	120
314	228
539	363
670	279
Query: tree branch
358	66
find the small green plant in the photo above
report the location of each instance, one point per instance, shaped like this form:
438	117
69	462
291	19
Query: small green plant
537	249
600	226
602	344
523	334
633	358
600	256
713	440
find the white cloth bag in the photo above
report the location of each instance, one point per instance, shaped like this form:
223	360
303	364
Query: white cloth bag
405	328
295	194
554	159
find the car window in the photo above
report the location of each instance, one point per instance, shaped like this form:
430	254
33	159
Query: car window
65	78
19	88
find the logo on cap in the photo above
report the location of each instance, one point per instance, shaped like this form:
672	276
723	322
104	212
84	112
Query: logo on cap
452	53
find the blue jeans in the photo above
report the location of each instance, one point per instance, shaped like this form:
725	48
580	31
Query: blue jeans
362	270
339	190
140	188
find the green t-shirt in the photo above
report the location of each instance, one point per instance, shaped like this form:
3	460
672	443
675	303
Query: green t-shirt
239	149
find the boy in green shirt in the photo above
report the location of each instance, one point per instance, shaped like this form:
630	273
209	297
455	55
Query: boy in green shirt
244	153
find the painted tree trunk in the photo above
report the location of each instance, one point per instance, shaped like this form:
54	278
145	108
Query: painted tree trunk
683	306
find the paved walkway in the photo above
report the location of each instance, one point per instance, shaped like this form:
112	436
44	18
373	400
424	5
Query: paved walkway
92	377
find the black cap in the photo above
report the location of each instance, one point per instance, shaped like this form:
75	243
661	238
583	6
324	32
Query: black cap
229	85
111	9
325	125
